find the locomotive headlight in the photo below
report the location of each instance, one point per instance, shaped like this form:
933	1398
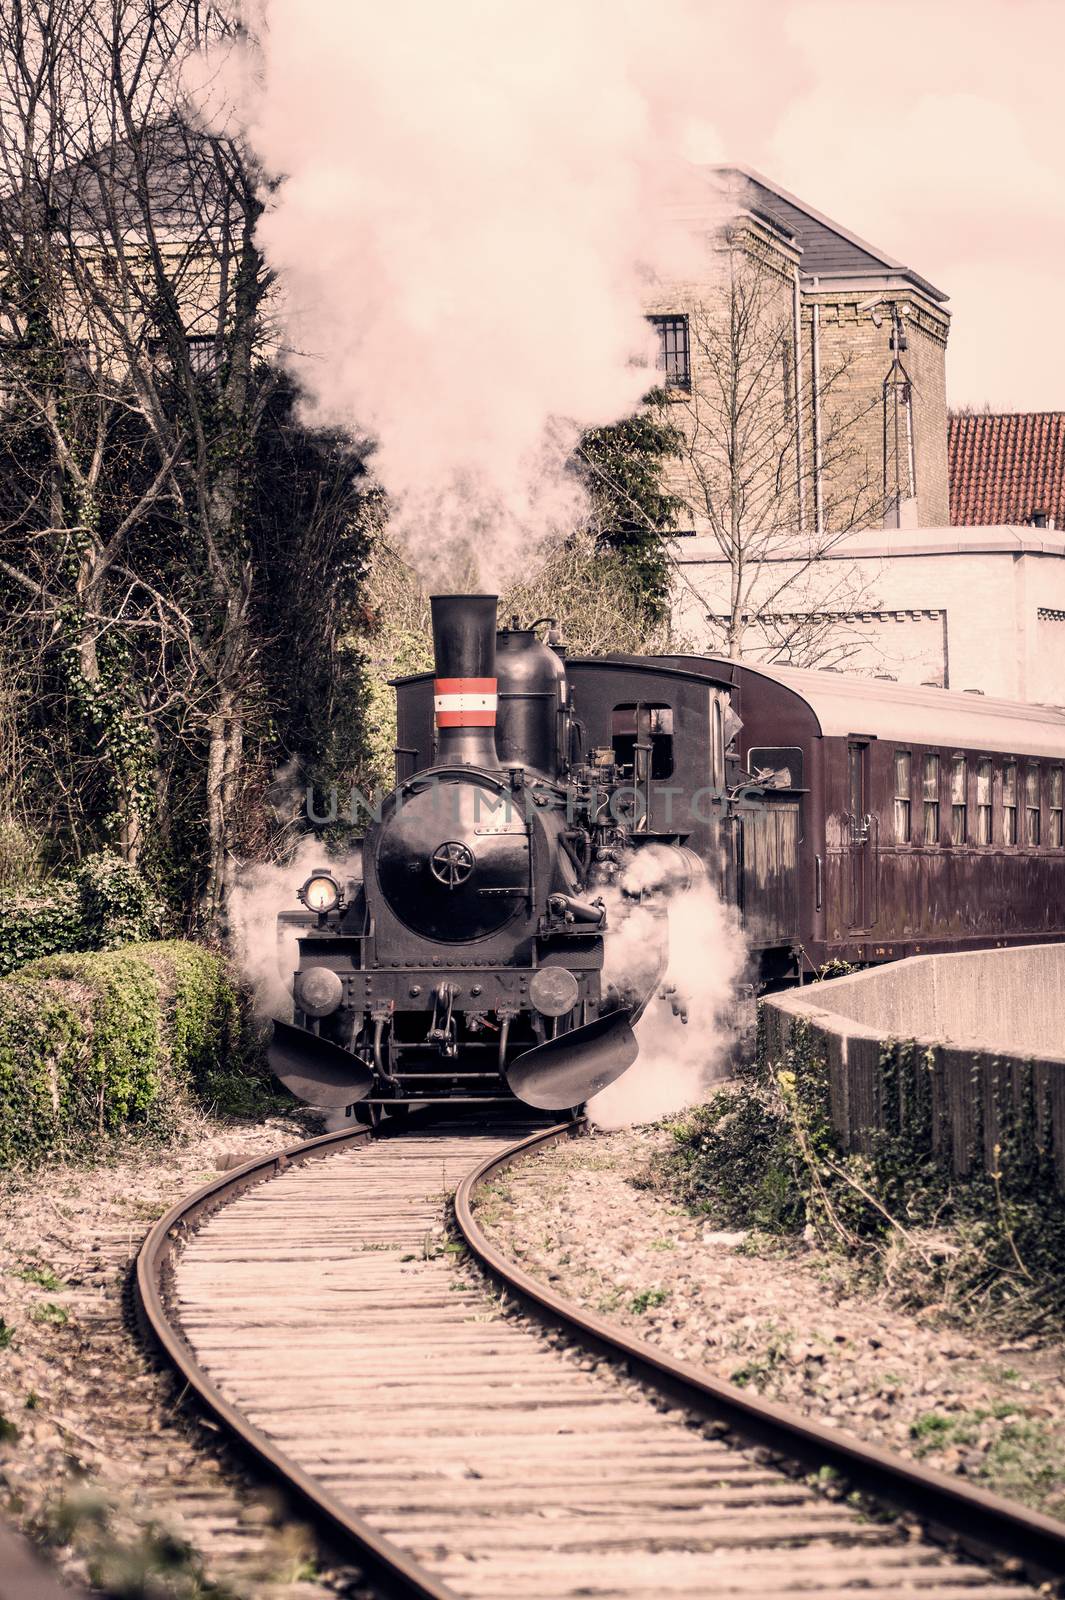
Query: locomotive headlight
320	893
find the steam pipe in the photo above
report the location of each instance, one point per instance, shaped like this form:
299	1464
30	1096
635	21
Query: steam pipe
465	690
796	360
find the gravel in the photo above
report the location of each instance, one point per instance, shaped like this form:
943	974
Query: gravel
785	1318
97	1458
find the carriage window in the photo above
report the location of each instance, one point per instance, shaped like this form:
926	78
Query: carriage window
647	727
1057	820
931	799
902	796
959	800
984	774
1031	805
1009	803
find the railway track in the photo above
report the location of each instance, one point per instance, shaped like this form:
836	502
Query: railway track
318	1303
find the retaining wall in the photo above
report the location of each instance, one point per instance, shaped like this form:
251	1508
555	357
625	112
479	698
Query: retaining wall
987	1026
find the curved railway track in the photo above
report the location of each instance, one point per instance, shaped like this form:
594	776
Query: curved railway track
317	1303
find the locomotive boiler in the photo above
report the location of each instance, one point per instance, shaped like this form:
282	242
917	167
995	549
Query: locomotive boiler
460	955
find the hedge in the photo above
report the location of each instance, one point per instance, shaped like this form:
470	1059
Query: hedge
104	905
98	1041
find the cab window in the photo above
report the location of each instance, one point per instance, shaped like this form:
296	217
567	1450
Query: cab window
646	726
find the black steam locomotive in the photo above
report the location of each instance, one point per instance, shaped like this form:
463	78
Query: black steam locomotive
846	820
466	960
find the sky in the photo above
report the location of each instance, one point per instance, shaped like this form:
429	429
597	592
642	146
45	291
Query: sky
932	130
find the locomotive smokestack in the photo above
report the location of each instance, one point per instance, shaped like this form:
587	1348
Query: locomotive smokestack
464	650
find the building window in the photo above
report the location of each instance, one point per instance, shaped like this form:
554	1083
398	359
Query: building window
638	728
1057	820
202	351
673	360
959	808
931	799
984	778
1032	830
902	796
1009	803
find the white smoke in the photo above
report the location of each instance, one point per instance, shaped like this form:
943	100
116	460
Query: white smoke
678	1060
266	955
468	213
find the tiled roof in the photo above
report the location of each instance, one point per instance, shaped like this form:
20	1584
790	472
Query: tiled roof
1007	469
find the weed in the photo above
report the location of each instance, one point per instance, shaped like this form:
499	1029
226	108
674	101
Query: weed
663	1244
7	1335
33	1401
646	1298
51	1315
758	1368
43	1276
8	1432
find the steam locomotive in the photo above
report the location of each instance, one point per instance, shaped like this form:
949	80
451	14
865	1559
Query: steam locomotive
465	955
465	959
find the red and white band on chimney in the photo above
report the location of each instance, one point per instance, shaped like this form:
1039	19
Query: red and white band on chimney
465	702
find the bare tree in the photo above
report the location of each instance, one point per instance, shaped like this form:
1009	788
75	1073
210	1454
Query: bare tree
774	495
134	334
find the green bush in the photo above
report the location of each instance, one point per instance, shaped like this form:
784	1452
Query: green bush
105	905
100	1040
764	1154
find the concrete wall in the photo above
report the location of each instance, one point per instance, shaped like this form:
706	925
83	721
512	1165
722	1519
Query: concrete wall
990	1024
984	610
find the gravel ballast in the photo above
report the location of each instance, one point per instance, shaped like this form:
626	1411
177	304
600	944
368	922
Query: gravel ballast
98	1459
784	1317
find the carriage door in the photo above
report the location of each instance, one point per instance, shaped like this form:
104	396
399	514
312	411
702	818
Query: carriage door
858	824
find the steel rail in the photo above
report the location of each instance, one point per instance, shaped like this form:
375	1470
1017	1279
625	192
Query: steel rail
380	1560
981	1522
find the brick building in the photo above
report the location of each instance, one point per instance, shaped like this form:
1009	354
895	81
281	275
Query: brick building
862	387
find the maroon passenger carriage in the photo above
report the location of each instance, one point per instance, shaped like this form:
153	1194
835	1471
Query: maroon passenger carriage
867	820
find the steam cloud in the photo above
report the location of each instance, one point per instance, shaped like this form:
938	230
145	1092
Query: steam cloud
468	213
677	1061
266	955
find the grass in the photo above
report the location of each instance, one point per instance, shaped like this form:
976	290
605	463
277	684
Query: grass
7	1335
1019	1456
